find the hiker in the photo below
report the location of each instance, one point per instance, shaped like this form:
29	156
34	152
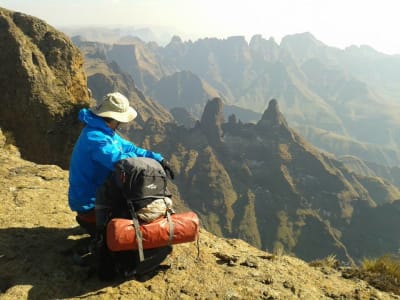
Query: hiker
96	151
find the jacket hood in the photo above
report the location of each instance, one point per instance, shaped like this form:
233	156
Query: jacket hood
90	119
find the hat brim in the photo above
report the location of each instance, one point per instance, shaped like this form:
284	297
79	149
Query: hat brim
123	117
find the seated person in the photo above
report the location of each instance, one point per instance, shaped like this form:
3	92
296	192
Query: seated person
96	151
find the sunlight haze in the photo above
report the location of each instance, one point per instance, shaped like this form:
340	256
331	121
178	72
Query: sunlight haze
338	23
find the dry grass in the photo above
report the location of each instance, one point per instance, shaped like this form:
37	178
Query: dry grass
387	264
383	273
330	261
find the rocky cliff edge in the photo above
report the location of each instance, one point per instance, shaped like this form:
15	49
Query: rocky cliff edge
37	229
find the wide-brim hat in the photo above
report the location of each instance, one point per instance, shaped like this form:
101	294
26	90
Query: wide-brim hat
115	106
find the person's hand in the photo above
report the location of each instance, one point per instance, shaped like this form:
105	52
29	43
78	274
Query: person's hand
167	168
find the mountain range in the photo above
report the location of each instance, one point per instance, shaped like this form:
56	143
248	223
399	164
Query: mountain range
341	100
265	183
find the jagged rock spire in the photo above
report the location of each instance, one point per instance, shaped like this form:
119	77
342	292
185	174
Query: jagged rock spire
212	119
272	116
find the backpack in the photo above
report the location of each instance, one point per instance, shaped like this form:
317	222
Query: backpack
142	226
141	181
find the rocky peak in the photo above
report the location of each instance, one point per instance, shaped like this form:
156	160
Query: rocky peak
213	113
238	40
212	119
264	49
175	48
302	46
43	86
176	40
305	38
124	53
272	116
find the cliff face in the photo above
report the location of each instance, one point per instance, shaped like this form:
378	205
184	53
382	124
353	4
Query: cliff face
265	184
37	230
42	86
183	90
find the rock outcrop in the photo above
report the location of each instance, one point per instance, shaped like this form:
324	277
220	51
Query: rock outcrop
272	116
42	86
211	121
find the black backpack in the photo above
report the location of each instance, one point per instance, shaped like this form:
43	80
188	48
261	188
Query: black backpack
141	180
134	183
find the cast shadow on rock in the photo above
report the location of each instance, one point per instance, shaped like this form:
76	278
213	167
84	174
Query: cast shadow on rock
42	257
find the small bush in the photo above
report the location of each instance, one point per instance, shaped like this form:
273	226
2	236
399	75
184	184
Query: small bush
9	138
330	261
382	273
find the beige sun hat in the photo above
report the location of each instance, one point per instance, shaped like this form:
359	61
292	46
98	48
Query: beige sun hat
115	106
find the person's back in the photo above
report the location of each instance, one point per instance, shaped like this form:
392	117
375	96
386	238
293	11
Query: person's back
87	173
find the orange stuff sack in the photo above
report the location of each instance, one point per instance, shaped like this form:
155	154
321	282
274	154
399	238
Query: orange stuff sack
121	234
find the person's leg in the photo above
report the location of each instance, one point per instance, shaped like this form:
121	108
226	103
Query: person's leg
83	246
102	208
87	220
106	270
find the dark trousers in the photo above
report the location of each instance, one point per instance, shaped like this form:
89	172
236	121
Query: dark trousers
87	220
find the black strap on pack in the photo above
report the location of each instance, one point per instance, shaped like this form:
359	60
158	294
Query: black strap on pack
139	233
171	225
137	230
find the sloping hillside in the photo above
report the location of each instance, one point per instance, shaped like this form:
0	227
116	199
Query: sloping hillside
37	229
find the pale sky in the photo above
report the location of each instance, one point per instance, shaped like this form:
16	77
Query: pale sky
337	23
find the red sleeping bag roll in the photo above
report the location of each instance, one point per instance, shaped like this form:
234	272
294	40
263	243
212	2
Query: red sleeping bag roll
121	234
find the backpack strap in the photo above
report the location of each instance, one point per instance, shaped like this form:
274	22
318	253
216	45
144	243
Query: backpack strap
171	225
135	220
137	230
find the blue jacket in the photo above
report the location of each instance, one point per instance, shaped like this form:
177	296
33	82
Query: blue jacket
96	151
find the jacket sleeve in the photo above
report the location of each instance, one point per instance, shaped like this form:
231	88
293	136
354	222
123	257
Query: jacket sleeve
131	150
105	151
108	150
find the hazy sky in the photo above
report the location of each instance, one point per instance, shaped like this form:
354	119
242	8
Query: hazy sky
338	23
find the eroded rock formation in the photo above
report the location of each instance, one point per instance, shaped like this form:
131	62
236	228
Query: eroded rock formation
42	87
